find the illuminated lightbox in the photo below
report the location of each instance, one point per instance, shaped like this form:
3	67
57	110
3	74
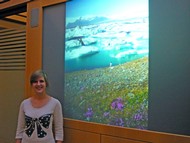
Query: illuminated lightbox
106	62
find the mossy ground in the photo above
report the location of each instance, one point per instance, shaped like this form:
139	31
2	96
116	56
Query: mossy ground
115	95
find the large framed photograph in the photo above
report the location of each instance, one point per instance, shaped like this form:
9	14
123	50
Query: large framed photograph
106	62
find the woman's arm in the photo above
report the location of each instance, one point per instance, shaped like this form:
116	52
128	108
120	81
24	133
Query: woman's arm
58	123
20	124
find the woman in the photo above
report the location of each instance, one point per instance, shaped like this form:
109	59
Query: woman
40	116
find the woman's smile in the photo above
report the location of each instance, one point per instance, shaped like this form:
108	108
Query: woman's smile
39	85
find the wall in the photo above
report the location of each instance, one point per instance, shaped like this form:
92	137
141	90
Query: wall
169	100
168	69
12	74
169	74
78	131
53	51
85	132
165	57
11	94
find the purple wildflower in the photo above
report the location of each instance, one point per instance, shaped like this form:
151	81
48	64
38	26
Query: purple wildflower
121	122
138	117
117	104
89	113
106	114
117	122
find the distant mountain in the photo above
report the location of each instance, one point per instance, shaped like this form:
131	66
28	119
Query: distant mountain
86	21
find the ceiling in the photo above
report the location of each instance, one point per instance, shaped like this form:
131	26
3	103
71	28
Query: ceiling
13	17
13	21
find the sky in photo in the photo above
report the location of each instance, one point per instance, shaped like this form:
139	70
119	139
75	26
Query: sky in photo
116	9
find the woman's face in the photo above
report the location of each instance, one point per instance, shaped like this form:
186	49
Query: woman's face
39	86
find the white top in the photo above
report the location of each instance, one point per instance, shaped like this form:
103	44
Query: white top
35	124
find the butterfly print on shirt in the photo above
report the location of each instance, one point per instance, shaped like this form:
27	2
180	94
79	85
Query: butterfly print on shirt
31	123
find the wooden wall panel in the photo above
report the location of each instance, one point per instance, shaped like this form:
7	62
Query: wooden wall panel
79	136
34	38
33	42
115	131
115	134
52	2
110	139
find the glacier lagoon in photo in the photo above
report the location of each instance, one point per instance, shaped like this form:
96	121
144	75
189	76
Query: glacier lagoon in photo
106	43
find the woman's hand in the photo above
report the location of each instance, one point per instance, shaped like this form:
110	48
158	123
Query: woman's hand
18	140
